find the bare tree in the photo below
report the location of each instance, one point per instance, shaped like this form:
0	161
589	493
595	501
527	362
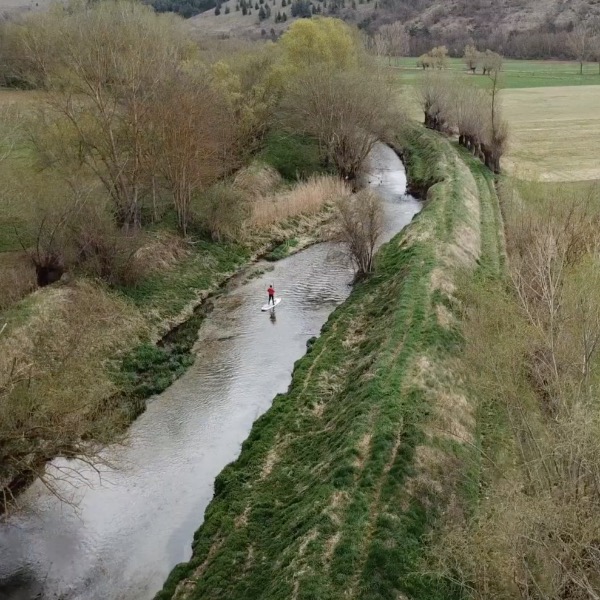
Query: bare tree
435	90
471	57
497	135
470	117
439	56
491	62
110	62
194	142
360	225
579	43
596	50
391	41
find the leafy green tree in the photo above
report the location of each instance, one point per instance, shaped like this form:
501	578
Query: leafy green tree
324	41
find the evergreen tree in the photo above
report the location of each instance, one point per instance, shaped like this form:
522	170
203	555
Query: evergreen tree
301	8
278	18
256	5
261	14
284	17
261	1
227	10
283	3
353	4
237	7
218	9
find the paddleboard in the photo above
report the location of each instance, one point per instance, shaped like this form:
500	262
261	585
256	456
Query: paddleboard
270	306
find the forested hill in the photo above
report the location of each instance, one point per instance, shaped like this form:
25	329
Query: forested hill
517	28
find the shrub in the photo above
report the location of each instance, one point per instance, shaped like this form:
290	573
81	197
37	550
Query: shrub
257	180
220	212
97	248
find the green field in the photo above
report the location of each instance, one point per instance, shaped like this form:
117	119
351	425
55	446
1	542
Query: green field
516	73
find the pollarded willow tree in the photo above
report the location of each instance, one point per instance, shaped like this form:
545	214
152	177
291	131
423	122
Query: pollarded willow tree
346	111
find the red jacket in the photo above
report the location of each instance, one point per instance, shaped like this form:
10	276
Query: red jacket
271	291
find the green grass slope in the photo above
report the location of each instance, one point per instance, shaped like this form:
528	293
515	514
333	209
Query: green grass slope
341	479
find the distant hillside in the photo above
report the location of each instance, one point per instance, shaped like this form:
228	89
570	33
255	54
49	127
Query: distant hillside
519	28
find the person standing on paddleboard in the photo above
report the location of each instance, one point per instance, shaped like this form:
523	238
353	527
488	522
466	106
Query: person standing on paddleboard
271	292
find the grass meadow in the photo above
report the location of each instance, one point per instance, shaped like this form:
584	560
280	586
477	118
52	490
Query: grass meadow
554	133
517	73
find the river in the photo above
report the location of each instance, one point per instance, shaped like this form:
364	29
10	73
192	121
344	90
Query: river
131	524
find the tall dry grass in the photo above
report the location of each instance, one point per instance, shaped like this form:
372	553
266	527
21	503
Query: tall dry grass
17	278
54	383
307	198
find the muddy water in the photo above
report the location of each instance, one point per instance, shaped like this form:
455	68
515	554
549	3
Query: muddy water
133	523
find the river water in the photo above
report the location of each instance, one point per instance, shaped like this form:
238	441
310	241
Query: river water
131	524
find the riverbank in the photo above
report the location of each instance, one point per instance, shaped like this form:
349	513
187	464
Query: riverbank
339	483
95	354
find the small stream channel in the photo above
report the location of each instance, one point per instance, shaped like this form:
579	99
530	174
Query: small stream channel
133	523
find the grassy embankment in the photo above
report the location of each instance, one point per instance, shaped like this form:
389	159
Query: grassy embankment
338	483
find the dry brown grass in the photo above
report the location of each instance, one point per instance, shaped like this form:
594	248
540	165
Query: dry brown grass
160	252
17	278
306	198
53	381
257	180
554	133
